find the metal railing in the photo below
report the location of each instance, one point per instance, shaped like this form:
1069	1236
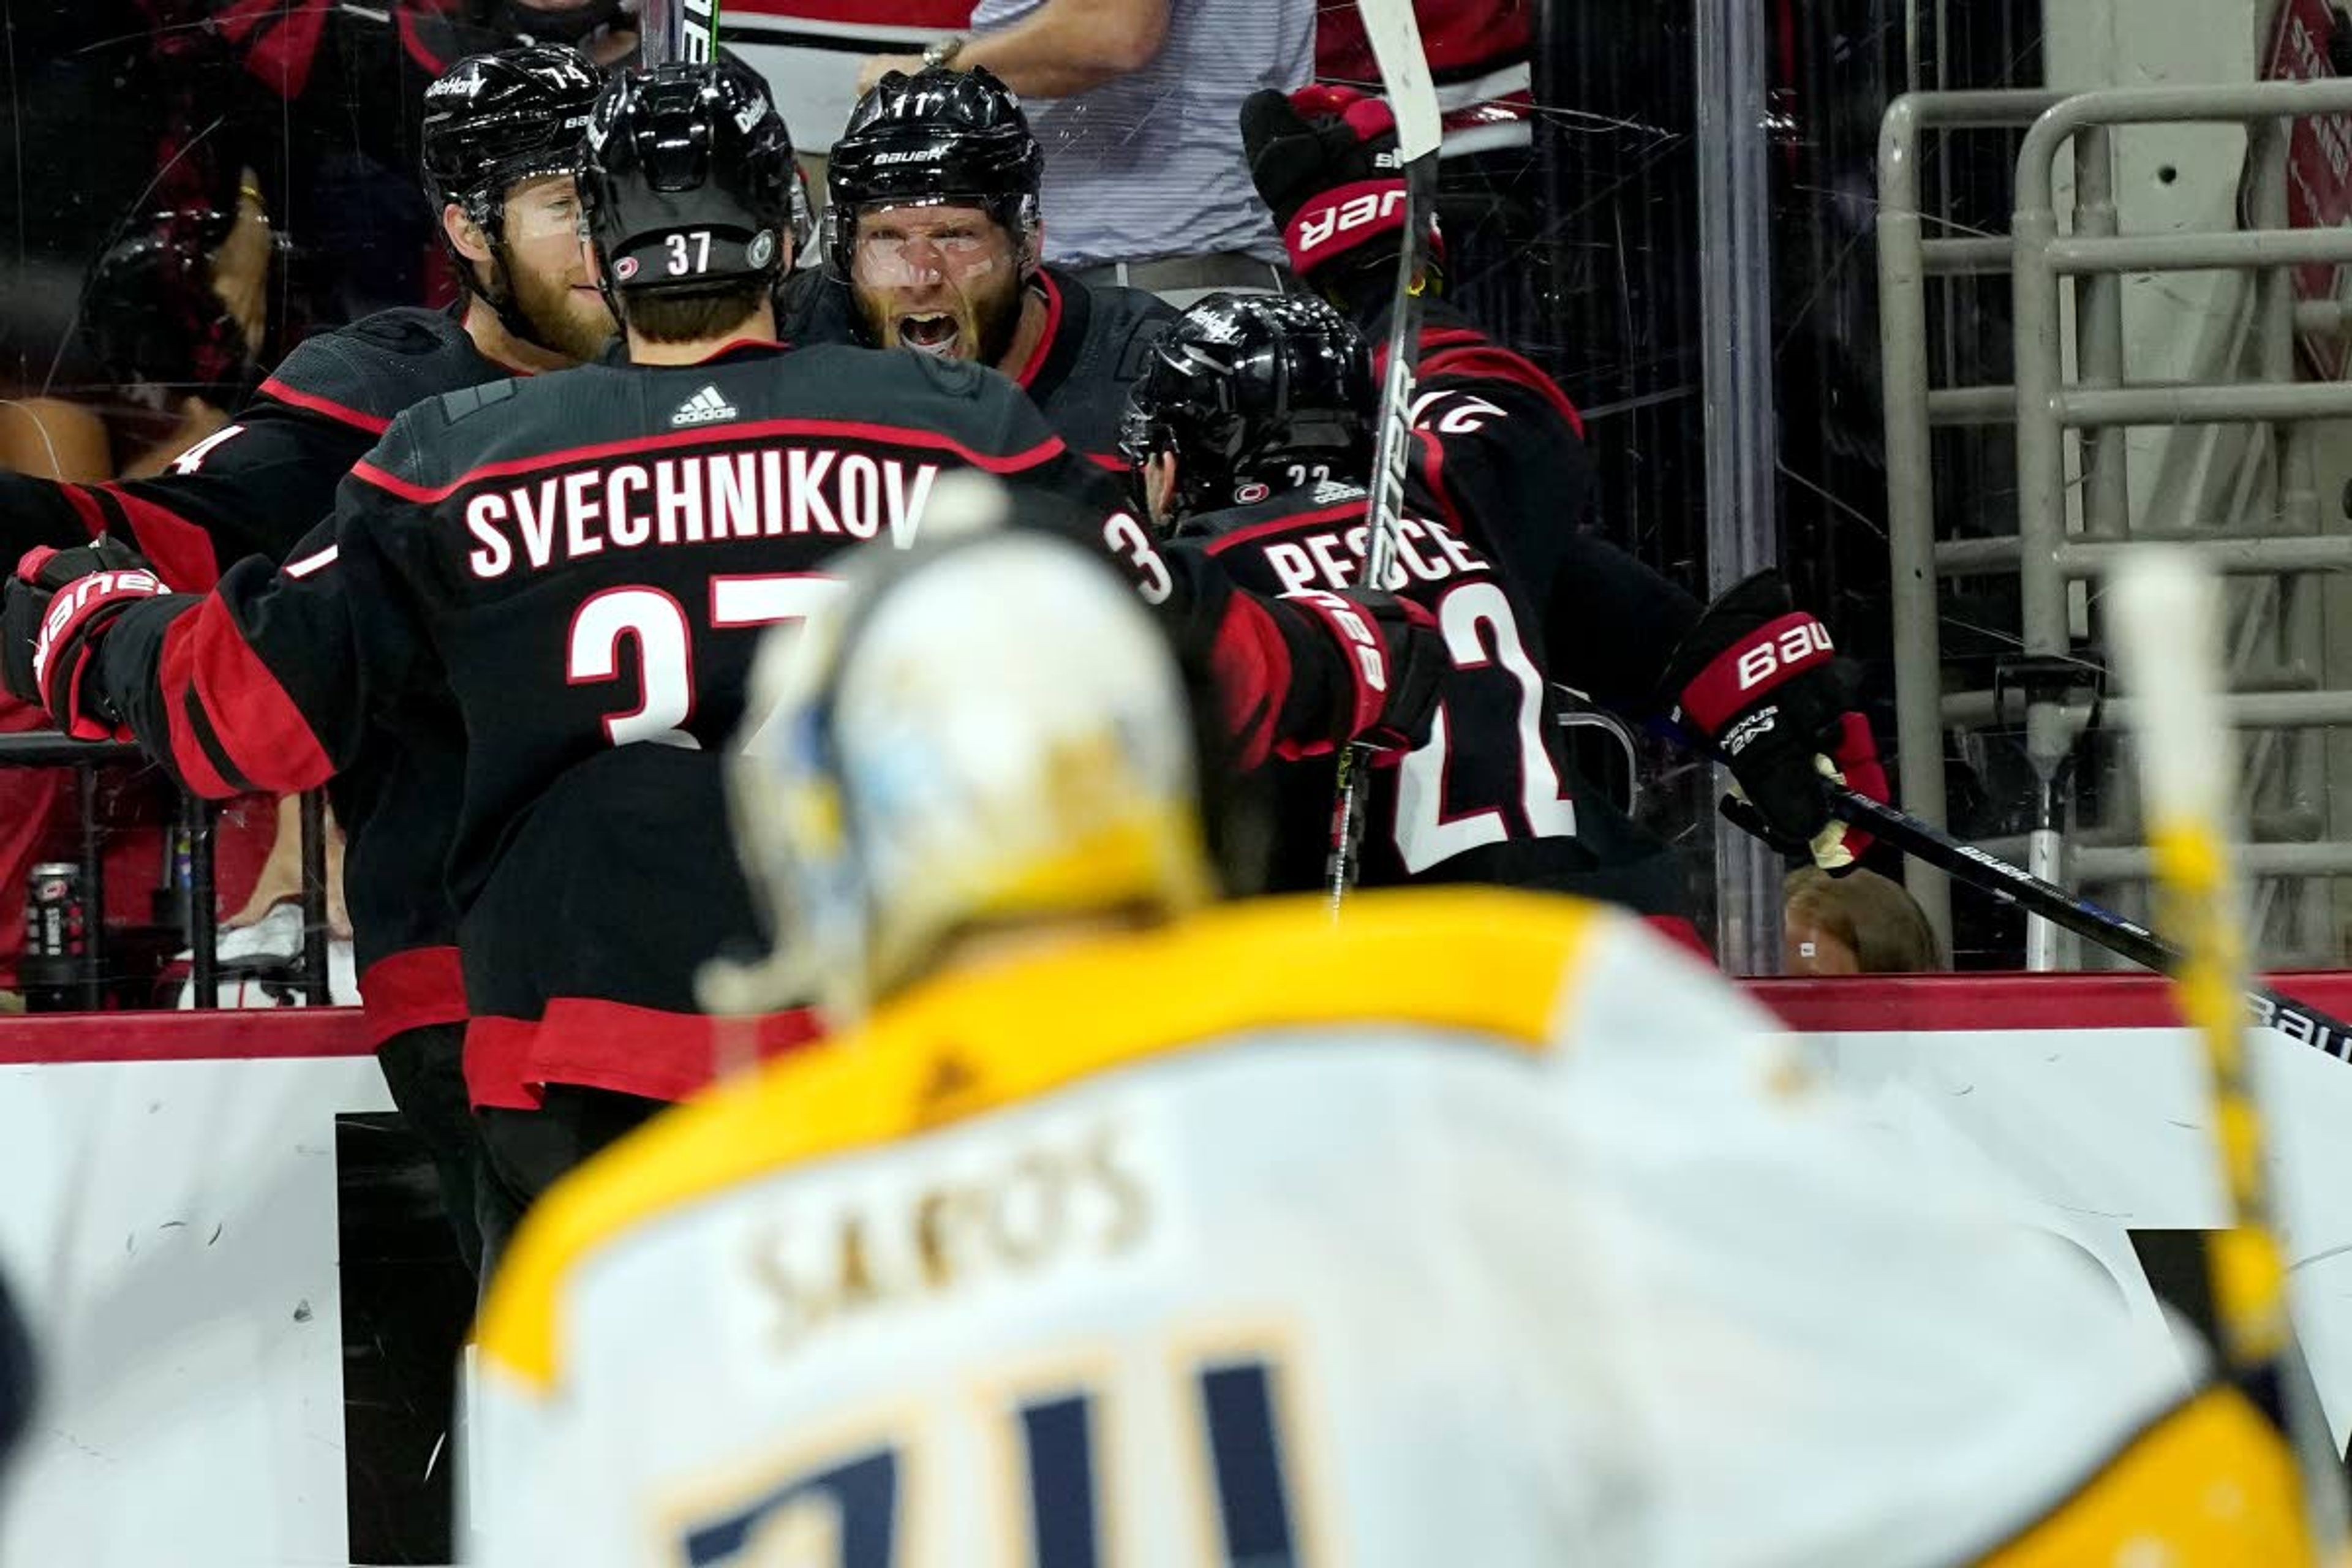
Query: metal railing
2045	554
1914	406
87	759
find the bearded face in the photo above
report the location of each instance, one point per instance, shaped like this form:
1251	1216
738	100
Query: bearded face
547	267
942	281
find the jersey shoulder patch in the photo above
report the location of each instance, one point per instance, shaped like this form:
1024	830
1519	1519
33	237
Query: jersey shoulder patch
467	401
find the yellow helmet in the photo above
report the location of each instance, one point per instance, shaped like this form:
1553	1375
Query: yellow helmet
984	728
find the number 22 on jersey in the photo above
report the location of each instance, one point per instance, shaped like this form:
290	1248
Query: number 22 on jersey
857	1509
1480	631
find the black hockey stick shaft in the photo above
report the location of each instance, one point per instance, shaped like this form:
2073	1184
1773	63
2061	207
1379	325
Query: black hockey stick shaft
1395	35
2014	885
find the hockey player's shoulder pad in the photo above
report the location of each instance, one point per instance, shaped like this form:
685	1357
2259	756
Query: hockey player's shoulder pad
1467	381
1123	323
813	308
365	374
927	374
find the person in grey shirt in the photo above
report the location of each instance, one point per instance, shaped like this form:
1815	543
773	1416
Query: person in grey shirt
1145	181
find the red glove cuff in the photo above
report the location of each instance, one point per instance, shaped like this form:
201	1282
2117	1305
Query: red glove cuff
1364	113
65	650
1738	677
1340	220
1367	654
1855	752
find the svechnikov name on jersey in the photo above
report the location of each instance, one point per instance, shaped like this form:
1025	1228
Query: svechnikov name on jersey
700	497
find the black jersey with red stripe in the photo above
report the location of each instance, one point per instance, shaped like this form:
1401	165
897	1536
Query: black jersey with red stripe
1499	458
257	487
1096	340
586	560
1494	545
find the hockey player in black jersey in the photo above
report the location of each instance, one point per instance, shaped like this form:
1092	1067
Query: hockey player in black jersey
501	135
583	561
933	242
1498	460
1250	433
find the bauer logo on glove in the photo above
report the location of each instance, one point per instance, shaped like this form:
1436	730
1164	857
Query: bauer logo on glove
74	601
1759	682
57	603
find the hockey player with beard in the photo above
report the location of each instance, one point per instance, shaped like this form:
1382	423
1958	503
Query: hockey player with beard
933	243
1498	465
1130	1225
501	136
583	561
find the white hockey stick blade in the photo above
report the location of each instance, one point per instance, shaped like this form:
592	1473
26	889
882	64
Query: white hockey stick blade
1395	37
2164	615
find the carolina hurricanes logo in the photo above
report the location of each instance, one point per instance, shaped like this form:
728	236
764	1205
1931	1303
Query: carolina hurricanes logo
625	269
1252	491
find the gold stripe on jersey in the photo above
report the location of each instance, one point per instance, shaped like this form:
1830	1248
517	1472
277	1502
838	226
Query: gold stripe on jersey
1496	964
2211	1486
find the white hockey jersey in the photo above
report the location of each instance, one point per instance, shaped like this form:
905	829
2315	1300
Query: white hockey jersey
1482	1230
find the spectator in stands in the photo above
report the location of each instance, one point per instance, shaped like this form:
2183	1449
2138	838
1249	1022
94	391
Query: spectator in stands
1857	923
1145	181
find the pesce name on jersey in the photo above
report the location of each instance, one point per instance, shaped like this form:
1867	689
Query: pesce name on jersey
706	498
1333	558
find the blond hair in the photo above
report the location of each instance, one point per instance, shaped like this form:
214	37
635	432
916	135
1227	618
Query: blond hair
1880	924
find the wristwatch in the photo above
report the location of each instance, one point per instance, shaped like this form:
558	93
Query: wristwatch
942	53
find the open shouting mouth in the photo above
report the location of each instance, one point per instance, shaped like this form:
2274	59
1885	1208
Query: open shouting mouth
931	333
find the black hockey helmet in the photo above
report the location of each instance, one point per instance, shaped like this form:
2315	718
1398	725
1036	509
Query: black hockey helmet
688	183
493	120
939	135
1254	394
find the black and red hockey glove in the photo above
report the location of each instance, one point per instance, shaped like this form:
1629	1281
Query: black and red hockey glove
1325	160
1759	680
1395	659
56	605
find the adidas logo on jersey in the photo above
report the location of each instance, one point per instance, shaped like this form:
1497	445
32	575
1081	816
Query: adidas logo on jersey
702	408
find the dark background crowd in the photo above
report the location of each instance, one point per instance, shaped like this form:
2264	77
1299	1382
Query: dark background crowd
191	186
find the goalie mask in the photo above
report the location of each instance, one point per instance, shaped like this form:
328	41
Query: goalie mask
980	731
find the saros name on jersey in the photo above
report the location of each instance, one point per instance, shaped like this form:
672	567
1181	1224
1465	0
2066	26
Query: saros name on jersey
702	498
1047	1202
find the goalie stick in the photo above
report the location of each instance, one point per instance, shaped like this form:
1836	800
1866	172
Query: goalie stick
1395	38
2165	622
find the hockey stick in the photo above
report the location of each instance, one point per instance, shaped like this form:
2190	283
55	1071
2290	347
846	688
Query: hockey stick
694	29
2165	624
1395	37
2015	886
2127	939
